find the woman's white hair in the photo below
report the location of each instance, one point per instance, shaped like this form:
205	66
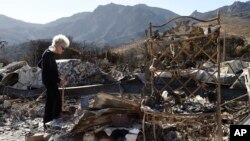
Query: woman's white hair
60	40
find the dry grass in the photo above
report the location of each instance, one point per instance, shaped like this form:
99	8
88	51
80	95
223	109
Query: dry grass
237	25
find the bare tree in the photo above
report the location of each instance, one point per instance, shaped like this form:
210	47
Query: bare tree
3	44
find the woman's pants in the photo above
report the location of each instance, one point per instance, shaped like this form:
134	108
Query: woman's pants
53	105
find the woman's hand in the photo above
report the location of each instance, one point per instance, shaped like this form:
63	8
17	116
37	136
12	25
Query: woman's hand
63	82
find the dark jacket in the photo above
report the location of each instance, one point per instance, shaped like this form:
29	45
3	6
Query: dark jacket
50	75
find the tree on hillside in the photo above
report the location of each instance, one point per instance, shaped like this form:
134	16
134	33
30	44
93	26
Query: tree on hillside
3	44
3	59
37	47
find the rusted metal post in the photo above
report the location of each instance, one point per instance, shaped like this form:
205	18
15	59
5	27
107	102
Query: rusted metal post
224	46
247	83
143	126
218	17
219	129
151	52
154	129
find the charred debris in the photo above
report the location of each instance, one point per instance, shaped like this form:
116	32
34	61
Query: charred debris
183	91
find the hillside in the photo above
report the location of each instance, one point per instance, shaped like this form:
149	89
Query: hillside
111	23
237	25
235	18
117	24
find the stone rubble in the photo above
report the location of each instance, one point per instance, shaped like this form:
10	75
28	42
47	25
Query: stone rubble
20	75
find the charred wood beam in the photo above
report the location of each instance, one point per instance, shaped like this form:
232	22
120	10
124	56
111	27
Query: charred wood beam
104	100
19	93
227	94
92	119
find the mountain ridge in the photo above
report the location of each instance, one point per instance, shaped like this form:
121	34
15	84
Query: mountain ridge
112	23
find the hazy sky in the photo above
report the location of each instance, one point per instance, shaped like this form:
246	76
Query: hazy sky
44	11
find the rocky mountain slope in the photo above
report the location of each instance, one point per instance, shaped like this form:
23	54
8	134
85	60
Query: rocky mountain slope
111	23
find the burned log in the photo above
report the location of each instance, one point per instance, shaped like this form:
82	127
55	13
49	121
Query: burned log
106	111
106	101
90	120
9	79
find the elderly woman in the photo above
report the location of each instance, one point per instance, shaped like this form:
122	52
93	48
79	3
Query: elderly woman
51	79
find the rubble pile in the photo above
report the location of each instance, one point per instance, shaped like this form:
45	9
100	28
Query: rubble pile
20	75
28	77
231	73
82	73
107	116
174	118
113	117
19	117
174	104
179	129
192	126
8	75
